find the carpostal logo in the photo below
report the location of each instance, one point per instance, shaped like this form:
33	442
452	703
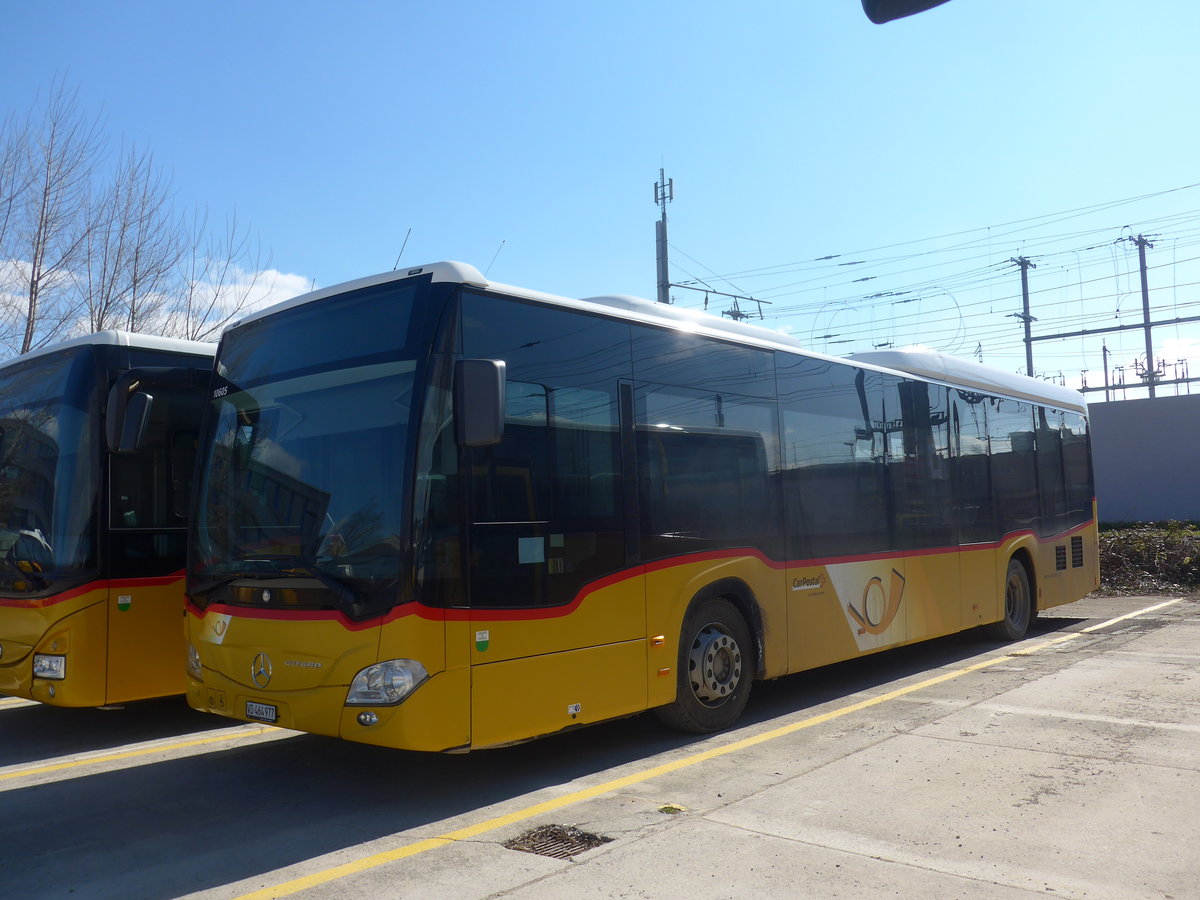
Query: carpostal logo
879	605
870	595
808	583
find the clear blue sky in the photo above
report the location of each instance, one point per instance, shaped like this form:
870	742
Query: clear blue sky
794	130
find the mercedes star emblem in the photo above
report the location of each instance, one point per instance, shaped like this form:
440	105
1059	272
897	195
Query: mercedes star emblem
260	670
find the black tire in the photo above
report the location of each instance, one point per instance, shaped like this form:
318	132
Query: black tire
714	670
1018	605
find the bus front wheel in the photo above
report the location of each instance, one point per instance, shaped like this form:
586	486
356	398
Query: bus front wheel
1018	604
714	671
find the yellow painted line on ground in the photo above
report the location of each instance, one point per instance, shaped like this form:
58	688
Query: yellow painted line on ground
375	860
147	750
472	831
15	701
1134	615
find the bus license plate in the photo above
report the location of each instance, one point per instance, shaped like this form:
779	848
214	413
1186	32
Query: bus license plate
261	711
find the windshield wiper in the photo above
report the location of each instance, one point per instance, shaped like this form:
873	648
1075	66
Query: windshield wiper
208	587
346	593
347	596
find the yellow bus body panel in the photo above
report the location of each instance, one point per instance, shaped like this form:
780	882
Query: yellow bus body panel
503	676
145	648
982	589
120	639
308	680
841	610
519	699
608	612
436	717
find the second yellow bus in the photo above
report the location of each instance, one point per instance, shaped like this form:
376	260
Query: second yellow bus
439	513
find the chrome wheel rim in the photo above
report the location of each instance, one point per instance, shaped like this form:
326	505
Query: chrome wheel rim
714	665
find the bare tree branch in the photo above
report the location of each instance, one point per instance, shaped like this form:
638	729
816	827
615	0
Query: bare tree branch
14	184
50	219
131	250
14	137
219	279
89	248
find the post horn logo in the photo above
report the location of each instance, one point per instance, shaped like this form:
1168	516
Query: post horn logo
879	607
260	670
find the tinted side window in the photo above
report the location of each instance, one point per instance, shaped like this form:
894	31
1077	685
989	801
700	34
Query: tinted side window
834	454
1014	465
1050	471
916	421
149	490
685	360
705	462
1077	464
972	471
707	444
546	502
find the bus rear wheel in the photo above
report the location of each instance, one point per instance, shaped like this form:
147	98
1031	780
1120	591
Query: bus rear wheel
715	669
1018	604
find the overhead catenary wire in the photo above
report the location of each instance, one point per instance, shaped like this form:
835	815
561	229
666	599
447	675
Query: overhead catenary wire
961	286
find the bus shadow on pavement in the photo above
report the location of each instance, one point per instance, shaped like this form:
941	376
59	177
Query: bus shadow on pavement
255	809
40	732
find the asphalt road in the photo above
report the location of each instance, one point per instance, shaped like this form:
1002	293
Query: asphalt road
1065	765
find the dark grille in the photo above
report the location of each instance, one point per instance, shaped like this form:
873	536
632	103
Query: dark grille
557	841
1060	557
1077	553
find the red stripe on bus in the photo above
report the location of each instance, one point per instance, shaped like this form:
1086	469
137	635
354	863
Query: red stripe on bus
461	614
79	590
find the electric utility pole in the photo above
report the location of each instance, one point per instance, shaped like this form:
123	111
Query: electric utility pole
1024	316
664	193
1151	372
1154	372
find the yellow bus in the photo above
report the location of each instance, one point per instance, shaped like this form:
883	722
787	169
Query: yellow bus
438	513
92	540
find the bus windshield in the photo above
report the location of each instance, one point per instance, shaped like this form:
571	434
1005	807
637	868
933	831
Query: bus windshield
303	491
48	473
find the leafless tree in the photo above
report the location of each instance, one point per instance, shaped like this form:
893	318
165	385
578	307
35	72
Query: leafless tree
49	226
88	246
131	249
13	136
220	276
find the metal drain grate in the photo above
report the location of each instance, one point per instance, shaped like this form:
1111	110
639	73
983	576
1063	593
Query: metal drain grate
556	841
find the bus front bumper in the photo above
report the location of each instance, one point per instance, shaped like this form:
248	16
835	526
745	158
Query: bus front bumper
435	717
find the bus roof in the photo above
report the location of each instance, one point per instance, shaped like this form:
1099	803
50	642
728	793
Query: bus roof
937	366
121	339
920	362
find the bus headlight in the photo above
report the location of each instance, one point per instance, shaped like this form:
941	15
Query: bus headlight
193	663
386	683
49	665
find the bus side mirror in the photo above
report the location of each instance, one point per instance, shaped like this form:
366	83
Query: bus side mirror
128	415
137	417
479	402
880	11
